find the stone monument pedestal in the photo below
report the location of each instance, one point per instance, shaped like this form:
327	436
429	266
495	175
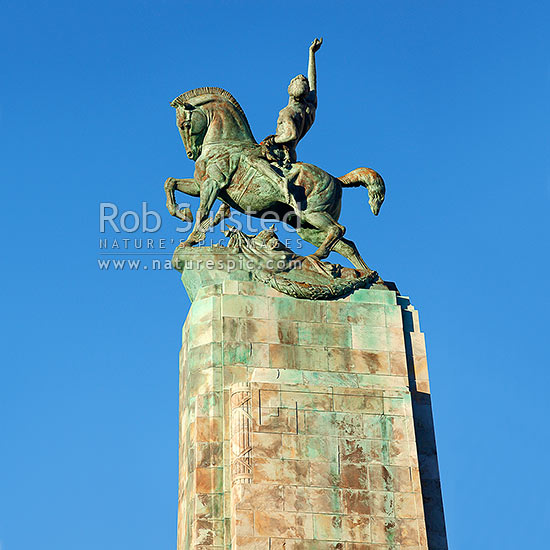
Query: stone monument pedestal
304	425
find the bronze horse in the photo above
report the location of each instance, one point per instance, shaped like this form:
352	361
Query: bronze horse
217	136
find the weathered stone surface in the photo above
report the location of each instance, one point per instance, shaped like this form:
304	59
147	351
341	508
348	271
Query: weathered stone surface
305	425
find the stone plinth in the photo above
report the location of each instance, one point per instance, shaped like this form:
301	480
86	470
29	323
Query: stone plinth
304	424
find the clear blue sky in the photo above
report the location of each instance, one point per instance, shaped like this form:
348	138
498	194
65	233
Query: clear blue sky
448	100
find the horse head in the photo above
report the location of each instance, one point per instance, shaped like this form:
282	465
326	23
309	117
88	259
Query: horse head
192	124
209	115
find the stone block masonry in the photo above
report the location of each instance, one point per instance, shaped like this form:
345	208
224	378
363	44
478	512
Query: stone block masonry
305	425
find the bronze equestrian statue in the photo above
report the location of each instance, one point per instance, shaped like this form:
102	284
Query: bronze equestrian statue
264	180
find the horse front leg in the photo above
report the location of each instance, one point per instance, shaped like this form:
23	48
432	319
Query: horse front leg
187	186
208	194
223	212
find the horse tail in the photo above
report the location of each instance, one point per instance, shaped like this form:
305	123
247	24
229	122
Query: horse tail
372	181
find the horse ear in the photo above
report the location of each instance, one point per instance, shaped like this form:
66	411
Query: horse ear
272	228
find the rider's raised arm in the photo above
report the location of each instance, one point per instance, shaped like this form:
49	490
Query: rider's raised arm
312	70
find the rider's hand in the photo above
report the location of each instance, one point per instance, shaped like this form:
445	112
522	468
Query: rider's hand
316	44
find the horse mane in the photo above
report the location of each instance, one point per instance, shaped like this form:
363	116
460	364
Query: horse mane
181	99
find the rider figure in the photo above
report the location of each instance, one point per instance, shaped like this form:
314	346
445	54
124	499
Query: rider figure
295	119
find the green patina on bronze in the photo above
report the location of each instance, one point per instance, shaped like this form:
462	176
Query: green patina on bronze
264	180
296	419
265	259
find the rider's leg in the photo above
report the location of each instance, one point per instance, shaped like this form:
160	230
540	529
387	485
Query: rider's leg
267	170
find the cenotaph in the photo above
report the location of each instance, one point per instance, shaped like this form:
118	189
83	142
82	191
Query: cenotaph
305	412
